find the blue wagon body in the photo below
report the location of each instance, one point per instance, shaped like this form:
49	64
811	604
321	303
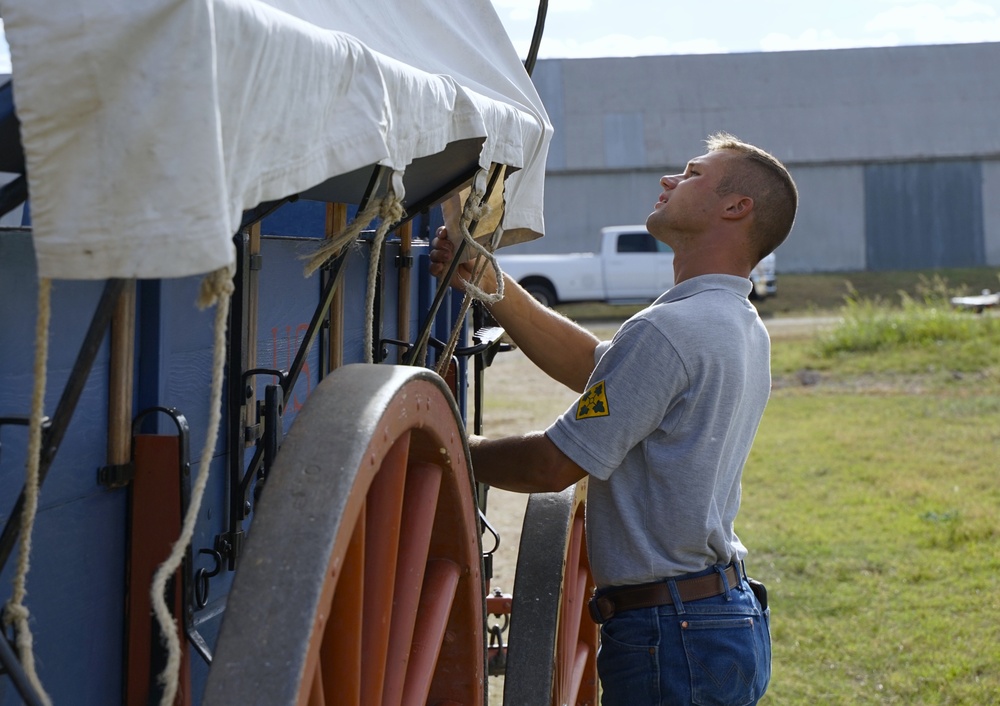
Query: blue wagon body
337	554
77	583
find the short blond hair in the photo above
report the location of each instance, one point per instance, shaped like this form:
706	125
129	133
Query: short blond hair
762	177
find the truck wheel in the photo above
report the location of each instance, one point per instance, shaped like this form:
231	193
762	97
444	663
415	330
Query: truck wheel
361	582
540	290
552	650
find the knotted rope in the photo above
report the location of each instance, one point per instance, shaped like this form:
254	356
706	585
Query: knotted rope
389	210
332	246
16	611
217	288
390	213
475	209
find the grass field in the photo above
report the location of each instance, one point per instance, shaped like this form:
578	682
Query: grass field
872	495
872	507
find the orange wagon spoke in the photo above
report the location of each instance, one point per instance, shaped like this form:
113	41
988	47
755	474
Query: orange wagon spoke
384	509
362	580
423	483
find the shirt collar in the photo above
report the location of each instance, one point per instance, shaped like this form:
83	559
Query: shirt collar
689	287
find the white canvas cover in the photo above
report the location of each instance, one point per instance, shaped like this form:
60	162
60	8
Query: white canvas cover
150	126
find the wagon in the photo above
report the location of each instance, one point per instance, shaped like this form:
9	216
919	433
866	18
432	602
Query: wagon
224	481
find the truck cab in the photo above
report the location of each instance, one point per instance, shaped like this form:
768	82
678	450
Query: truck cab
630	267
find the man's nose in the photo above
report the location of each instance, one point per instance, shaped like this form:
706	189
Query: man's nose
669	181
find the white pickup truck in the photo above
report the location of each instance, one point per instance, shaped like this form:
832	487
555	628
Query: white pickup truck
631	267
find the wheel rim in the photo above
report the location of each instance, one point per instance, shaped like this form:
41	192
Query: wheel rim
362	582
552	641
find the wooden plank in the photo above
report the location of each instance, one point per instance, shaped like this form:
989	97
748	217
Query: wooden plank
121	378
405	269
155	523
336	221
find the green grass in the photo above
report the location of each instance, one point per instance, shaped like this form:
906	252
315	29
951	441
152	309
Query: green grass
871	498
872	509
918	335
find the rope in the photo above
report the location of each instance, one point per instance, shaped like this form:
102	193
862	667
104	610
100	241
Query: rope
16	612
332	246
216	288
390	212
475	210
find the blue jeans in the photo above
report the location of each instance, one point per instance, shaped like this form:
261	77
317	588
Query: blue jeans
715	651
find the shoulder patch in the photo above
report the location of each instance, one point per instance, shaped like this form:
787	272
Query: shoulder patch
593	403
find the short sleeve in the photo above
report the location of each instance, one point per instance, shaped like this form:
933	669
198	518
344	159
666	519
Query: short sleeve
639	378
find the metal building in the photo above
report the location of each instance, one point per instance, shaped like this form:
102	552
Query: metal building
896	151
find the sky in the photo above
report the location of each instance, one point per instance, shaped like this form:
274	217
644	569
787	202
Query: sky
596	28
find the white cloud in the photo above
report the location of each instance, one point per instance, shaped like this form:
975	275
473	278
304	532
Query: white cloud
959	22
823	39
626	28
621	45
524	10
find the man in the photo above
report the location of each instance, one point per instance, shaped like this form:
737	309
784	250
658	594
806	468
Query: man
668	412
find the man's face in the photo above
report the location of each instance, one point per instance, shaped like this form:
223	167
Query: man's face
689	202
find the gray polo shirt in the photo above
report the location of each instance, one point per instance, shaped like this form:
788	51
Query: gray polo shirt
664	429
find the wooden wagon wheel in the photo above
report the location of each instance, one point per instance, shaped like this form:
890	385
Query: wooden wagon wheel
552	643
361	582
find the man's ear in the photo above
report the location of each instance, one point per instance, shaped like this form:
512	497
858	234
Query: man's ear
737	207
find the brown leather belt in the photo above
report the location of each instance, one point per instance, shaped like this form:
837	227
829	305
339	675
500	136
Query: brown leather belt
647	595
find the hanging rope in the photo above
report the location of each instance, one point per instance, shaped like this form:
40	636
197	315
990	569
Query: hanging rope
16	611
475	209
390	212
333	246
216	288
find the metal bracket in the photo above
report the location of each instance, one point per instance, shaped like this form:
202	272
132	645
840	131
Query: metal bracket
230	544
498	605
116	475
23	422
274	408
253	431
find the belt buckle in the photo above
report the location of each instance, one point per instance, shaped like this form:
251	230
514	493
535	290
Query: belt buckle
596	614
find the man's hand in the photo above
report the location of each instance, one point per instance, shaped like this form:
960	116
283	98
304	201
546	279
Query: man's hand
441	254
558	346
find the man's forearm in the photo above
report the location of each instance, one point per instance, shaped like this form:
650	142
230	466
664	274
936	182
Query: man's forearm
561	348
530	463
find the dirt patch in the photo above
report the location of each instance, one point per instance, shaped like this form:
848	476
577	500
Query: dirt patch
519	398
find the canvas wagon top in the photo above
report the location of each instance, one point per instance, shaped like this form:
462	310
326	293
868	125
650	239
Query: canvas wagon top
148	129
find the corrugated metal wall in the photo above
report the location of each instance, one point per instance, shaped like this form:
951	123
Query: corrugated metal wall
924	215
895	150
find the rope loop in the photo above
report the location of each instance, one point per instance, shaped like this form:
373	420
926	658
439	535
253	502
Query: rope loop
390	211
475	209
16	613
217	288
